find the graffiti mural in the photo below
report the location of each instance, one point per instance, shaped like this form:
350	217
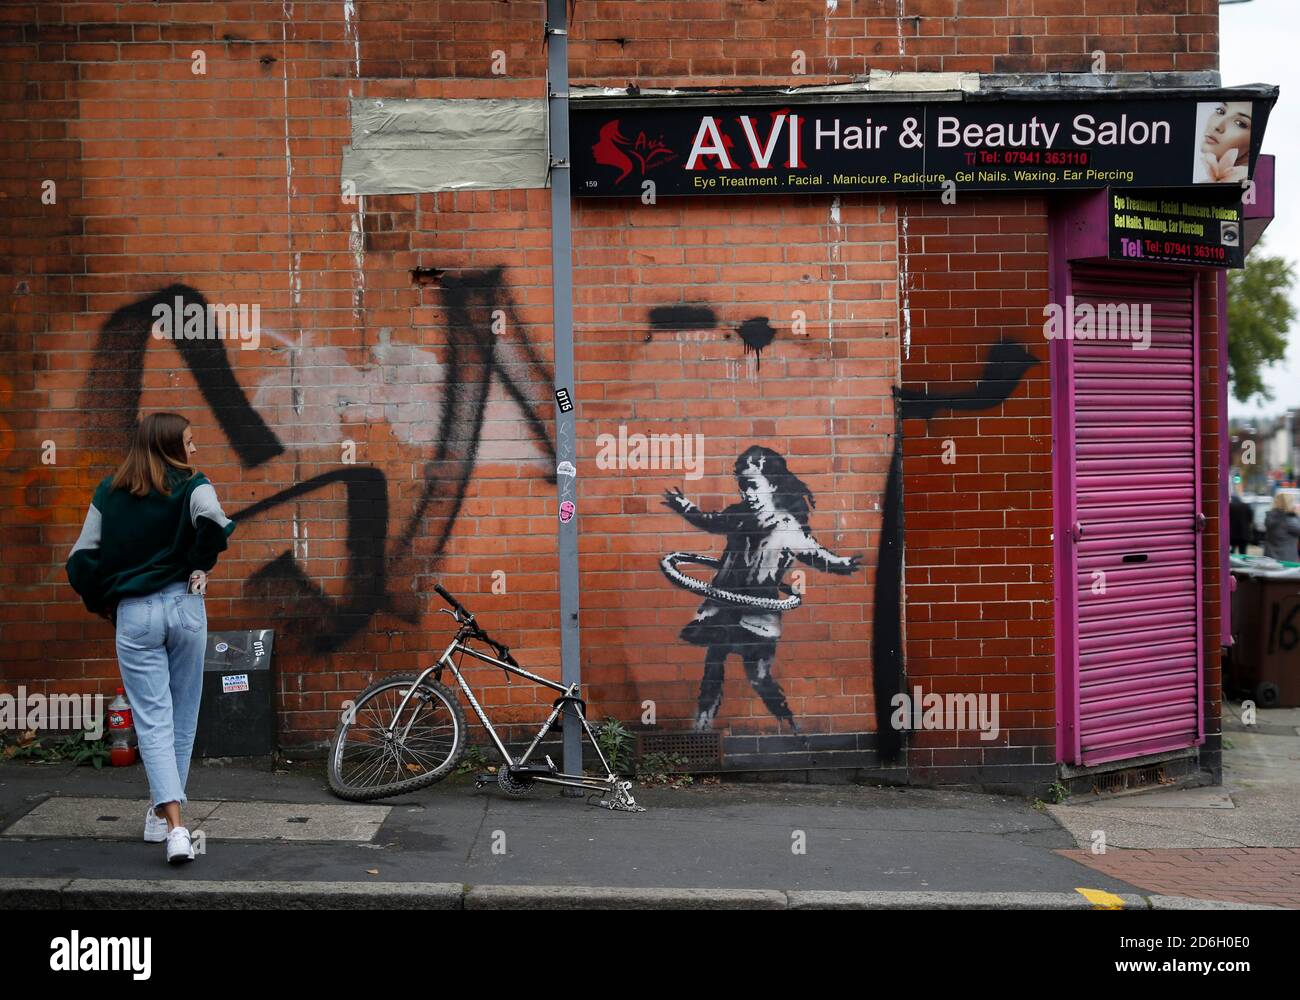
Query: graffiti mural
720	617
741	614
476	303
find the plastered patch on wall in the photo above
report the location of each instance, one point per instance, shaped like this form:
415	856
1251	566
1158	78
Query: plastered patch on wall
401	146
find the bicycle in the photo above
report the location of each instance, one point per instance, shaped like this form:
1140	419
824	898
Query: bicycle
380	750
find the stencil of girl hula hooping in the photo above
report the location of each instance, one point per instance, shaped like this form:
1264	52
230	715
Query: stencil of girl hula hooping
742	609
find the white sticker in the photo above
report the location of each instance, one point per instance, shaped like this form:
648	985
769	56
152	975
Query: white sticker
222	647
566	469
231	683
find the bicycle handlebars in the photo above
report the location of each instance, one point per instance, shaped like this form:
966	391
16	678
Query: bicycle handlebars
455	604
465	618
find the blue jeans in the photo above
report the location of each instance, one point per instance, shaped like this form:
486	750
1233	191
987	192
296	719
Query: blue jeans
161	639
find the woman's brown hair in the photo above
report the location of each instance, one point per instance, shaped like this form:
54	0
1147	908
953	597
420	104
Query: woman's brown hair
157	451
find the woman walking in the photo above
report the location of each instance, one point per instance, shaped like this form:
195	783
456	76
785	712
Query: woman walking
153	531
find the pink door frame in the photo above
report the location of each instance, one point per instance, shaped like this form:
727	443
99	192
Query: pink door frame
1079	233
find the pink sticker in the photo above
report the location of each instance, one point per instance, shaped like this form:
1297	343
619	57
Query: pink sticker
567	510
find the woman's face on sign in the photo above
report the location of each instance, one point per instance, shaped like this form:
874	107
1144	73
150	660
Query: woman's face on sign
757	492
1228	128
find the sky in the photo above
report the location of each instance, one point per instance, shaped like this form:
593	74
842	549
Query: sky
1260	43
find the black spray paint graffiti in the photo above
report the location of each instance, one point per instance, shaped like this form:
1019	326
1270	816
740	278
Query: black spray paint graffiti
1005	366
766	532
755	333
473	301
111	398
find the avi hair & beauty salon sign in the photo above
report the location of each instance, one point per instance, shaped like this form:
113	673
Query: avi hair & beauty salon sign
709	146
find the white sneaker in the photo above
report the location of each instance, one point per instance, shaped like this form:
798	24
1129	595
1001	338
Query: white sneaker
179	848
155	827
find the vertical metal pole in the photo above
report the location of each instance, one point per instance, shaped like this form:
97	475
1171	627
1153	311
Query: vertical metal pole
557	106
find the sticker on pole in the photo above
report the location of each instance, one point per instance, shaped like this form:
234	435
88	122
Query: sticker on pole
562	397
232	683
567	510
566	469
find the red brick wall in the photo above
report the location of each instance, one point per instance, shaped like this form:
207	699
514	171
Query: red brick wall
707	42
978	550
228	183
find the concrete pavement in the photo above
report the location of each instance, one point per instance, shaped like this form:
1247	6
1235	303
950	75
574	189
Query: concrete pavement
70	837
750	837
1236	842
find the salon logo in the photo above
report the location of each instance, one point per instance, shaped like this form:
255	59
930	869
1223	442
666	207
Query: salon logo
625	154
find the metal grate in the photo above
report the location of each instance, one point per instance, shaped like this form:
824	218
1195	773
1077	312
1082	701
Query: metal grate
1123	781
703	751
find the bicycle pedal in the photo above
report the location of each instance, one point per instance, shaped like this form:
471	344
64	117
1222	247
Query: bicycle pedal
483	779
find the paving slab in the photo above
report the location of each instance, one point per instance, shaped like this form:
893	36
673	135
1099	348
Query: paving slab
123	819
91	817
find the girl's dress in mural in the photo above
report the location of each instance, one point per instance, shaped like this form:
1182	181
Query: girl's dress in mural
765	532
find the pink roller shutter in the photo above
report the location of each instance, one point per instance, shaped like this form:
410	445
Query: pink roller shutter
1135	534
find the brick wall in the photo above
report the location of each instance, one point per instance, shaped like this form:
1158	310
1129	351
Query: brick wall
227	184
978	479
707	42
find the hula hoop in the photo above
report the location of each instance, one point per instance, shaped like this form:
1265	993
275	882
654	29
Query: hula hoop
669	565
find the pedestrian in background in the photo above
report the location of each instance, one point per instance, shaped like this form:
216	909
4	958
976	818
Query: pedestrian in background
153	531
1240	523
1282	530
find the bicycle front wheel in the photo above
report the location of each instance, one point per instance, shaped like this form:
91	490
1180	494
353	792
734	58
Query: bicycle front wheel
375	754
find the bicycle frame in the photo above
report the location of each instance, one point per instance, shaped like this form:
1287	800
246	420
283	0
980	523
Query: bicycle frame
568	696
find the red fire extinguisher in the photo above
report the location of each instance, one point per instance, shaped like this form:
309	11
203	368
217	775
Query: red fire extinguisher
121	731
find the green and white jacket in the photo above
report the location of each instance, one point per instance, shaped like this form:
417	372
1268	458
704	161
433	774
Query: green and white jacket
131	546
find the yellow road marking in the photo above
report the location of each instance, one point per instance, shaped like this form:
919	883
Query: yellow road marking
1101	900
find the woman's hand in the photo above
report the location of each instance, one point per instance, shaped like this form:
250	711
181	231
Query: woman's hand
198	582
